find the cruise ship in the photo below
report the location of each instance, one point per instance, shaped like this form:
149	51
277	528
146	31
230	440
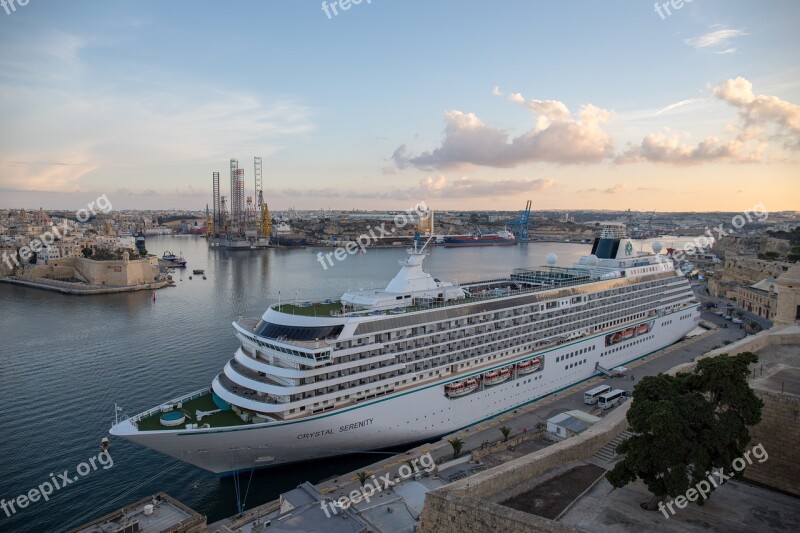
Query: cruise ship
418	358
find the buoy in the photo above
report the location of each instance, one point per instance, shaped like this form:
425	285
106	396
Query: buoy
190	277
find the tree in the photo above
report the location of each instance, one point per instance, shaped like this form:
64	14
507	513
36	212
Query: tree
363	476
506	431
457	445
687	425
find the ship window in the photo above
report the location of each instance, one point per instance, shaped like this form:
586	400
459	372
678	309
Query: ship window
296	333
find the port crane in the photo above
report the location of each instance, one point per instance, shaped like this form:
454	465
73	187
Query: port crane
521	225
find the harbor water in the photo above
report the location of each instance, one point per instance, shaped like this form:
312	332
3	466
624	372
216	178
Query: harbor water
65	361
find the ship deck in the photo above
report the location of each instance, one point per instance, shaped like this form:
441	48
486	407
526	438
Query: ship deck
203	403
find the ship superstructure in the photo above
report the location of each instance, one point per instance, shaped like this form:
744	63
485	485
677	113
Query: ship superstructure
418	358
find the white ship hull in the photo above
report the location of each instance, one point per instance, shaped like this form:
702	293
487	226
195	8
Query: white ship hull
403	417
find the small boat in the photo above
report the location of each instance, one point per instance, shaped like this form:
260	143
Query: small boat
616	338
173	260
204	277
497	376
641	329
627	334
198	271
461	388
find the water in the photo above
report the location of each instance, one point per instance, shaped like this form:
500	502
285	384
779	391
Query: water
65	360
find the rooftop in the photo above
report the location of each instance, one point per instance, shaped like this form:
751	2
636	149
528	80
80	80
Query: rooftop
166	515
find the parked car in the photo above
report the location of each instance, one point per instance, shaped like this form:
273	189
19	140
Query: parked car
737	321
720	313
727	317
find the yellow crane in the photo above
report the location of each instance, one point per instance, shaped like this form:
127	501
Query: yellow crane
265	224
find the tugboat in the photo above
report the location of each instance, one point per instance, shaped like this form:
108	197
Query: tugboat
174	260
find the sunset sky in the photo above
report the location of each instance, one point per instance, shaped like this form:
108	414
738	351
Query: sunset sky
473	105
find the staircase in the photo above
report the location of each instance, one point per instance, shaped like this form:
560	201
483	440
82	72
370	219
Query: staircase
608	453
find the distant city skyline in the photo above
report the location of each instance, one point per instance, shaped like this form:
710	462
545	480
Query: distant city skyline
464	106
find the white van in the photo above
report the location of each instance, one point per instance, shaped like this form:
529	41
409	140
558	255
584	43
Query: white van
591	397
610	399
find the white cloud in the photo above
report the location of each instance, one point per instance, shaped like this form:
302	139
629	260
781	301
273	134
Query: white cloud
677	105
761	115
715	39
557	137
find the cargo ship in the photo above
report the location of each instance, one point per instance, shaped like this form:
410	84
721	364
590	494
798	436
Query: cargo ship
500	238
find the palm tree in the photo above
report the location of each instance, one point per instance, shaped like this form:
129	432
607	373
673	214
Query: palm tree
363	476
506	431
457	445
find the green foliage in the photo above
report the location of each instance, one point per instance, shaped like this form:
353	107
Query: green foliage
457	445
686	425
363	476
506	431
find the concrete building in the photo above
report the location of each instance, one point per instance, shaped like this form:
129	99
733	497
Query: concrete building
760	298
570	423
154	514
788	287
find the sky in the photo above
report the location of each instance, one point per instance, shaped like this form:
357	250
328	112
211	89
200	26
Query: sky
462	105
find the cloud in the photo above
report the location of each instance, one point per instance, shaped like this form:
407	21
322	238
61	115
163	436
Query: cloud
614	189
557	137
54	109
763	118
716	39
677	105
761	115
662	148
434	187
193	191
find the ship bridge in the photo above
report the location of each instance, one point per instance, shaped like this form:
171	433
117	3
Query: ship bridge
411	283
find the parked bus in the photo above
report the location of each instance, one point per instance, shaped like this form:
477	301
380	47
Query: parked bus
591	397
610	399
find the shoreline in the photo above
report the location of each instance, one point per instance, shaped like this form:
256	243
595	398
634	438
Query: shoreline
77	289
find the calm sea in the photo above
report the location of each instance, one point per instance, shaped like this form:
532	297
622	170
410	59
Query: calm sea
65	360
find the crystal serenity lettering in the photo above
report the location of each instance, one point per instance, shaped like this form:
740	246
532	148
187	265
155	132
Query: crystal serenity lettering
330	431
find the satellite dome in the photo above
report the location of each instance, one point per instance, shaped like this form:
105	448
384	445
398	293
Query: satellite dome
656	247
551	259
592	260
